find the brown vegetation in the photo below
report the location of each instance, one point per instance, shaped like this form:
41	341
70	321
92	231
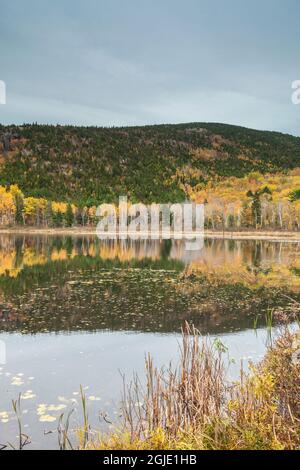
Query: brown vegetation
194	407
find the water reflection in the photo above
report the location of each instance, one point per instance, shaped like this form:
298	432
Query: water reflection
63	284
77	311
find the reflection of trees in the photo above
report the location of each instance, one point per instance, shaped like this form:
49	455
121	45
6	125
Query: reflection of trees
79	283
83	294
257	255
166	246
120	304
17	252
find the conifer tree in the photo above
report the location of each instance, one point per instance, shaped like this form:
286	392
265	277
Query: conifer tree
69	216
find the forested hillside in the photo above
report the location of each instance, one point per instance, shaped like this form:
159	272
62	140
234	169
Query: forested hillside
161	163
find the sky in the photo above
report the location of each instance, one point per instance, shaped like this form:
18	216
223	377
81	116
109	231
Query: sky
136	62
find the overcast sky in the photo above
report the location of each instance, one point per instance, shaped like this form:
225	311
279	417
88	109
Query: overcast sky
117	62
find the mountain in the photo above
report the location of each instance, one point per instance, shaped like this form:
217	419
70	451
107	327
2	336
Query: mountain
88	165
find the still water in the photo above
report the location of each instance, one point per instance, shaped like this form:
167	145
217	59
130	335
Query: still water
77	311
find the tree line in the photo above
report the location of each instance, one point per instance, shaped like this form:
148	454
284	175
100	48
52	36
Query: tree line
16	209
256	201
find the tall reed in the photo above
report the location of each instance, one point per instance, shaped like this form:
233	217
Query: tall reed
193	406
185	397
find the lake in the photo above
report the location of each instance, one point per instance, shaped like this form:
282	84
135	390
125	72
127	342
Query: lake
79	311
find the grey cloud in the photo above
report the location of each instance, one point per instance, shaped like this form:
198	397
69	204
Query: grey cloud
115	62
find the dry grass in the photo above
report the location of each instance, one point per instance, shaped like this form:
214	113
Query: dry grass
181	398
193	407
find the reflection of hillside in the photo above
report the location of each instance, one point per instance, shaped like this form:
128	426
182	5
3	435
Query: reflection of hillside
84	294
248	252
271	277
16	253
70	284
140	299
254	264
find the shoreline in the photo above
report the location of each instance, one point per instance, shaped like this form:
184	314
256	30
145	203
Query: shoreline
275	235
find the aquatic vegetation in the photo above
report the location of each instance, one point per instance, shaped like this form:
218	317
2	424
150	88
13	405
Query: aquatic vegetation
28	395
66	284
194	407
24	439
77	286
